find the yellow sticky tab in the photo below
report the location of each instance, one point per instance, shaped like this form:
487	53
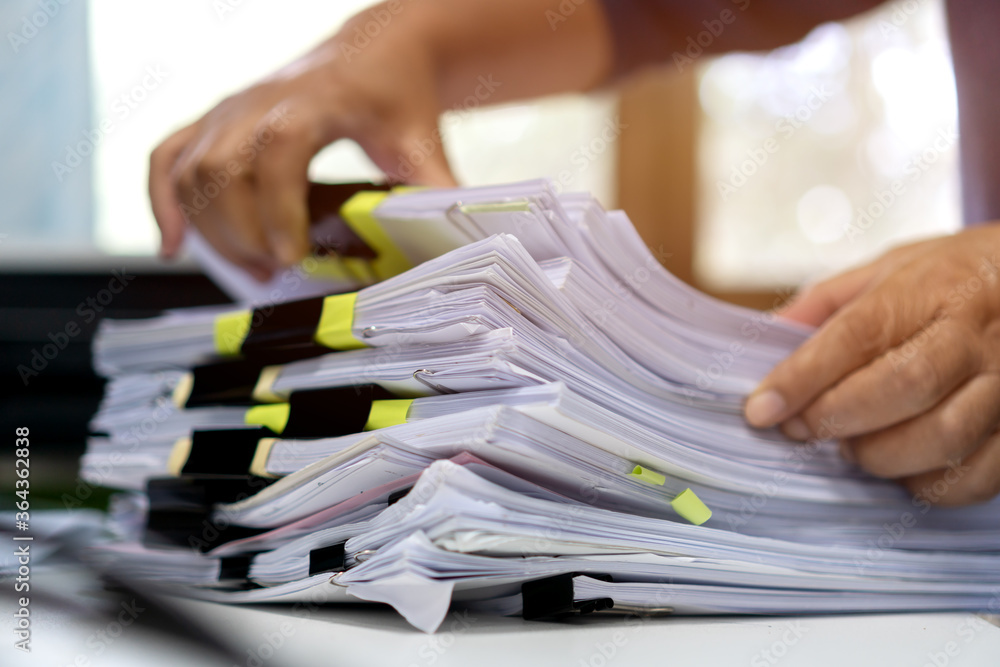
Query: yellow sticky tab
335	322
178	456
360	270
689	506
648	476
231	330
263	391
359	214
388	413
259	464
498	207
329	267
182	391
274	416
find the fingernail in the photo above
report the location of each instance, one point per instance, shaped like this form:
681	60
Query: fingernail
847	452
763	409
796	429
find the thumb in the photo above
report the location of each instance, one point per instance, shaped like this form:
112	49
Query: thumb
814	304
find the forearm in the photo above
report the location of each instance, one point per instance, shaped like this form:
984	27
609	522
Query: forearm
976	56
529	47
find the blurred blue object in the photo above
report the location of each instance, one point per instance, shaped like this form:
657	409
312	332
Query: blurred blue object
45	156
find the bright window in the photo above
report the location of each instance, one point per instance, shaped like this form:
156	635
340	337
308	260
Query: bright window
822	154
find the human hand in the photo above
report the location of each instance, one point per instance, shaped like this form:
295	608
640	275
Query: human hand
905	368
239	174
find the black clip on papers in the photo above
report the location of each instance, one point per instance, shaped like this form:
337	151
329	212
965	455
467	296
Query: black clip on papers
552	597
180	510
324	413
291	324
327	559
223	383
328	232
224	451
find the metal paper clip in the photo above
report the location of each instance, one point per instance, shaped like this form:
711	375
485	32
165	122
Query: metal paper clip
436	387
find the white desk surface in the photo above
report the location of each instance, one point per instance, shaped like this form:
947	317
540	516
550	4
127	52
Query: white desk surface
368	635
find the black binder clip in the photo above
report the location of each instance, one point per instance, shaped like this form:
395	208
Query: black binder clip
552	597
181	510
398	495
327	559
325	413
224	451
235	568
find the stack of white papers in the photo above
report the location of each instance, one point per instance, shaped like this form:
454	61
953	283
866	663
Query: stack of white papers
517	410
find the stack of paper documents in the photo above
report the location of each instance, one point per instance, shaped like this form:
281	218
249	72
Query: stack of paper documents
516	409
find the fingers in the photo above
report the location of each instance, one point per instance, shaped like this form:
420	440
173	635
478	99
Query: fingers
860	331
163	193
231	225
213	179
975	479
415	156
953	430
906	381
434	171
815	304
281	179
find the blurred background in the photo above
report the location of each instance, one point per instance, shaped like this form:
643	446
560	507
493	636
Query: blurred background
747	174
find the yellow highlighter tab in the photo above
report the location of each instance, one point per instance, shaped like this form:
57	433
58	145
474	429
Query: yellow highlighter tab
258	466
263	391
498	207
182	390
178	456
648	476
328	267
336	321
230	331
359	214
274	416
388	413
689	506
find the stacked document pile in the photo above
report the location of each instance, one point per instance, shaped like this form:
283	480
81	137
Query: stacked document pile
515	409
